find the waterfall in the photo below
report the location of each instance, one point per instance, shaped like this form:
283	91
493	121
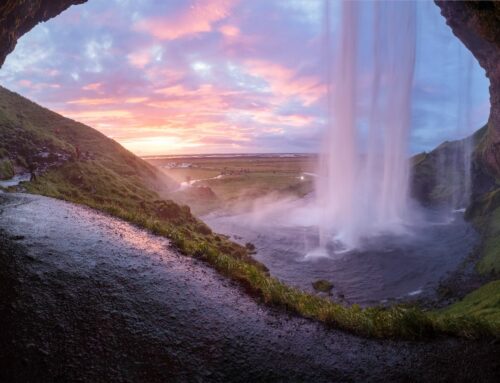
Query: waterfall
362	187
464	128
453	159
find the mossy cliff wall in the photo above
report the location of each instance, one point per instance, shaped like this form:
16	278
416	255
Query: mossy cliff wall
477	25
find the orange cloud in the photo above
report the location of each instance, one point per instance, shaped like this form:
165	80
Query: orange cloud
157	144
198	18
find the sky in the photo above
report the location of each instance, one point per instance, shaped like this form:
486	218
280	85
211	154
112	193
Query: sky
224	76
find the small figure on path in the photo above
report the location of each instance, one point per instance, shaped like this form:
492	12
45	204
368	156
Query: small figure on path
78	152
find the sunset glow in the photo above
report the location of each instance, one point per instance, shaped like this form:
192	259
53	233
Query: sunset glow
209	76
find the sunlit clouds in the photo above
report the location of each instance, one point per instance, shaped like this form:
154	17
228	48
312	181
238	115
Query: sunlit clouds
195	17
186	76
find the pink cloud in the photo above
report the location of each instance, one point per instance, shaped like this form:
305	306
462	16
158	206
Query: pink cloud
229	30
51	72
139	59
286	82
198	18
25	83
136	100
268	117
93	101
96	115
38	86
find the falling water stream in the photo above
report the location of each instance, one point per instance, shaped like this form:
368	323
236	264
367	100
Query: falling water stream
364	189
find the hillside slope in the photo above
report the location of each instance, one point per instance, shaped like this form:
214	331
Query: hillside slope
33	137
74	162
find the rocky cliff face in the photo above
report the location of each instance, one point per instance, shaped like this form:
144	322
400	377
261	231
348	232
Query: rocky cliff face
477	25
18	16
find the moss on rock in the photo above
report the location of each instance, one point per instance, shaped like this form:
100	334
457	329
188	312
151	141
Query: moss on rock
323	286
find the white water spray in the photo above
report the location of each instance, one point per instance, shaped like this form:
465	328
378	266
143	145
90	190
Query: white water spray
464	128
453	161
363	189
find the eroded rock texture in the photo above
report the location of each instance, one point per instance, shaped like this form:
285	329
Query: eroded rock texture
477	25
18	16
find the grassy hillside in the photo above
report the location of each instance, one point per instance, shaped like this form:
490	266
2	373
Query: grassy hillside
105	176
34	136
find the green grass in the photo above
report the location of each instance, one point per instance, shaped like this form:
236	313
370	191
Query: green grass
490	261
485	214
482	303
115	181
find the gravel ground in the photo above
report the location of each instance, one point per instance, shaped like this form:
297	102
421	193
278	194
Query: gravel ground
85	297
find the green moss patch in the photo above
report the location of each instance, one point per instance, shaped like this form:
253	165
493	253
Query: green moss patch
483	303
490	261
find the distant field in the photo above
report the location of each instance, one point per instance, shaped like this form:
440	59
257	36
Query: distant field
236	181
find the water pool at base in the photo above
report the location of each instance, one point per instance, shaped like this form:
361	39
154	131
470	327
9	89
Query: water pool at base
383	268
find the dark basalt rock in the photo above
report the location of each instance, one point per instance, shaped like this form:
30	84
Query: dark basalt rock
477	25
18	16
